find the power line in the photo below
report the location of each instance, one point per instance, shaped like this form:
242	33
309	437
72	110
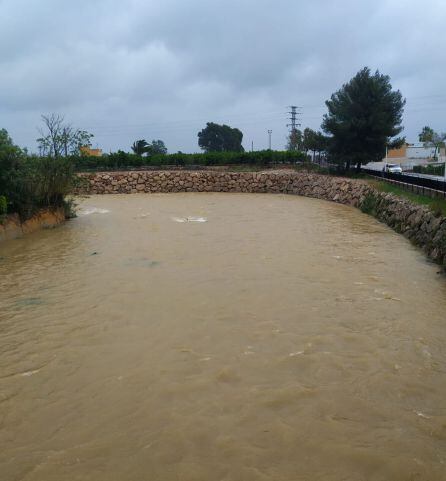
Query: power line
219	118
295	114
293	126
171	126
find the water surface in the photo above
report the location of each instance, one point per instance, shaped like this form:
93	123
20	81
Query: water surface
278	338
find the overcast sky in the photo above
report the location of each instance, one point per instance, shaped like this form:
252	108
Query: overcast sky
133	69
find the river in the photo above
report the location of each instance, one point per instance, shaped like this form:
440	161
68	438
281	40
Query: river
230	337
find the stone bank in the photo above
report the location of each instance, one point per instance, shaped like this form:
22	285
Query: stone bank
417	223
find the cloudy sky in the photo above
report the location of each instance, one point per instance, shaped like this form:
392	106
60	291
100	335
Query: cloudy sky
132	69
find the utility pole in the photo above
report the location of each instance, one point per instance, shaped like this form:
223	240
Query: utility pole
269	134
294	118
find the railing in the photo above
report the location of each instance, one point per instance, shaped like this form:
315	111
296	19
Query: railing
419	185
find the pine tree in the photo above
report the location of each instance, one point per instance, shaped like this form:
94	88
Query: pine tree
363	117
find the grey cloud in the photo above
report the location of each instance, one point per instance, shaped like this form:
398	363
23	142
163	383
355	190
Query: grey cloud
133	69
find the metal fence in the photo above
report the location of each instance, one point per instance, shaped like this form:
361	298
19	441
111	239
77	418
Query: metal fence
419	185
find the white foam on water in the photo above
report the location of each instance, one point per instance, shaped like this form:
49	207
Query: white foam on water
29	373
298	353
422	415
93	210
189	219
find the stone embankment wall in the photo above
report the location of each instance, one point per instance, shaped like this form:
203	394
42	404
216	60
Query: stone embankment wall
417	223
312	185
12	228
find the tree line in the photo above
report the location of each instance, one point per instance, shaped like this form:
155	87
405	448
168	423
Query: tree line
363	119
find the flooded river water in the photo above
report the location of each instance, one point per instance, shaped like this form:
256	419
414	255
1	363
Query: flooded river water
220	337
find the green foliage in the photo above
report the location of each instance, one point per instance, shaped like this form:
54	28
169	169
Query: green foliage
10	157
40	182
430	138
314	141
429	169
438	206
369	204
396	143
5	139
140	147
220	138
3	206
363	117
69	206
123	160
426	135
157	147
295	141
31	182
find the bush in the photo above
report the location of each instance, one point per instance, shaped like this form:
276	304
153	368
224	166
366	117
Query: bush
69	207
3	206
429	169
31	182
369	205
37	182
123	160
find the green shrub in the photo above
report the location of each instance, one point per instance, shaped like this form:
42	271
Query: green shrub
123	160
429	169
37	182
69	206
3	206
437	207
30	182
369	204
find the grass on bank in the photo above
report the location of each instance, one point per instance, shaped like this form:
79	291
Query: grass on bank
297	166
438	206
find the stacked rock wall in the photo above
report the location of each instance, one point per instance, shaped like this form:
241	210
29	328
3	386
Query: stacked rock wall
312	185
417	223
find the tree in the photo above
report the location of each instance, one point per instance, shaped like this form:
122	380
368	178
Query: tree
60	139
5	139
10	154
157	147
10	159
140	147
363	117
314	141
430	138
220	138
308	139
294	143
74	139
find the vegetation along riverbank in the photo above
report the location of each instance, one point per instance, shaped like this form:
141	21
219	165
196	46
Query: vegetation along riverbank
33	189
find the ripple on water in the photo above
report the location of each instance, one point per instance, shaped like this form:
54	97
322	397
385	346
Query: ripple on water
292	337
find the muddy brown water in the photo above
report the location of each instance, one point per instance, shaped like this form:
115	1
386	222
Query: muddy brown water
284	339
